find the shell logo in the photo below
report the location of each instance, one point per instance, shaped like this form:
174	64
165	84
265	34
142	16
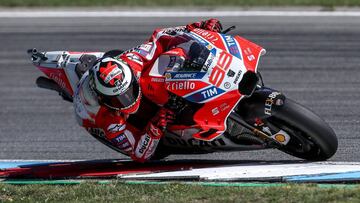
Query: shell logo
280	138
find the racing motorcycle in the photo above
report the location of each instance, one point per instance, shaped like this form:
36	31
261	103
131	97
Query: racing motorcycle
219	97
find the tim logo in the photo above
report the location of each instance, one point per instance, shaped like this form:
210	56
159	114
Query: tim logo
218	73
206	94
209	93
231	45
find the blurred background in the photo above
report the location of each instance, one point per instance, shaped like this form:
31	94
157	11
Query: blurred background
313	59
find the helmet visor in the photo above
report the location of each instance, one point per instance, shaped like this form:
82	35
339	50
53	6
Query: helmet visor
125	100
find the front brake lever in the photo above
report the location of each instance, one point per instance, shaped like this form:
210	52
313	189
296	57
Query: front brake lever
228	30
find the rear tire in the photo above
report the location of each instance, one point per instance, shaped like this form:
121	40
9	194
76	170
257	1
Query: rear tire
311	137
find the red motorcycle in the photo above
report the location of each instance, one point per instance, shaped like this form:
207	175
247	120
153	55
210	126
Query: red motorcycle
221	103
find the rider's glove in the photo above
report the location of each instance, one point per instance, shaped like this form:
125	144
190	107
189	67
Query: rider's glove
212	24
160	121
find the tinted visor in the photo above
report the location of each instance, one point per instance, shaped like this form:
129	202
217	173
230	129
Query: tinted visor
125	100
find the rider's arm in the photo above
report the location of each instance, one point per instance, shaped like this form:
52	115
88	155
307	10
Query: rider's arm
140	145
145	54
149	140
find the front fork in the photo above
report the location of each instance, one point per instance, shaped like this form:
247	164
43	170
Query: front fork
253	112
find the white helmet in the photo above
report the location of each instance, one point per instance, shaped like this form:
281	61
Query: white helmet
115	84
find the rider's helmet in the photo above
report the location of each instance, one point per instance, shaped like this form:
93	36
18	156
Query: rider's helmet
115	84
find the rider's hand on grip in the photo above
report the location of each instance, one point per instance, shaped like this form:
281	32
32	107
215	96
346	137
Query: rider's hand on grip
160	121
212	24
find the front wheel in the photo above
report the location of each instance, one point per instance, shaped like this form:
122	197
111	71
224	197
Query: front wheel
311	137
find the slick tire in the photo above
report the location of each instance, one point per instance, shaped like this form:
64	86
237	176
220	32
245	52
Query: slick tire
311	137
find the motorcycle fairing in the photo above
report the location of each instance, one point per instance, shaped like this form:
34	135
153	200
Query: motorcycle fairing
220	95
251	53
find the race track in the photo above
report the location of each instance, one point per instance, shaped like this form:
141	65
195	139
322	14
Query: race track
313	60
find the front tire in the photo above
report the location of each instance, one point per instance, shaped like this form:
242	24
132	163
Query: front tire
311	137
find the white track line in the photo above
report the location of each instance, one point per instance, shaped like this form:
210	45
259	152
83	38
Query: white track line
35	160
134	14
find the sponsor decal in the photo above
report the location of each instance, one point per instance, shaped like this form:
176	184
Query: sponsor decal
184	75
210	36
167	75
144	144
116	127
215	111
151	149
157	79
231	45
209	61
173	31
122	142
57	78
269	102
231	73
192	142
119	139
237	77
224	106
205	94
218	72
227	85
112	75
119	87
181	85
209	93
249	54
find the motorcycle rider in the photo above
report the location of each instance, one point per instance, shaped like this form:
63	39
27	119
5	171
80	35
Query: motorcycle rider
109	93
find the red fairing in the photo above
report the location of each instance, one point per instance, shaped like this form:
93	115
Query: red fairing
153	88
59	76
251	53
213	114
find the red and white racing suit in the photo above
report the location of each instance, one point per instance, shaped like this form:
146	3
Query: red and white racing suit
98	120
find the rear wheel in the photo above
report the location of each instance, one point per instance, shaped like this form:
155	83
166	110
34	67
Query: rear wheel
311	137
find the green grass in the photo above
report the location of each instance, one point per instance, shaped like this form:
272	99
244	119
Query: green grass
326	3
121	192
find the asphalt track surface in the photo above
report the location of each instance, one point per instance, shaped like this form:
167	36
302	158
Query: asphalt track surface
313	60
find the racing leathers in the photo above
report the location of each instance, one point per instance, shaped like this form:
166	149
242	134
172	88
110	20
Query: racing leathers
111	125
